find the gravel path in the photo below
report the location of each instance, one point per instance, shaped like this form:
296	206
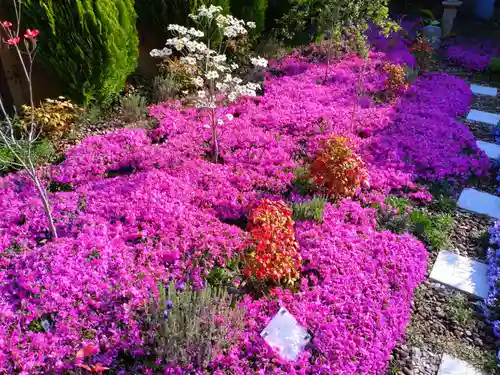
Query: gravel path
444	320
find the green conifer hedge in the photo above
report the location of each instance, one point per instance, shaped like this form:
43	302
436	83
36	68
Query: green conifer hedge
92	46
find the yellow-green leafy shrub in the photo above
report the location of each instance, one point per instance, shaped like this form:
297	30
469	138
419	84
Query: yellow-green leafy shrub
55	117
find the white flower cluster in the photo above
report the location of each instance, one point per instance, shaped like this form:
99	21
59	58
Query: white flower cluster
211	72
204	12
230	26
181	30
162	53
259	62
220	121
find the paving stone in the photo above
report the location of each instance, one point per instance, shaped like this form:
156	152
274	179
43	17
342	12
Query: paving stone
461	273
483	90
485	117
480	203
453	366
492	150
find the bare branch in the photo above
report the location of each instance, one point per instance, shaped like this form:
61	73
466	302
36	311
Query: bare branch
21	146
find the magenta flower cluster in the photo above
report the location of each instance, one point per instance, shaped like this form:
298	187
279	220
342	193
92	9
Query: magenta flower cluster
134	208
473	54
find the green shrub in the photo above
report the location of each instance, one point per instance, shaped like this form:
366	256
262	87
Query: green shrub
133	107
165	88
42	153
91	46
192	327
272	48
341	20
89	116
495	64
310	210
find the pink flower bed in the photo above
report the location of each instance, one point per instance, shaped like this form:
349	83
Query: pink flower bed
473	54
144	208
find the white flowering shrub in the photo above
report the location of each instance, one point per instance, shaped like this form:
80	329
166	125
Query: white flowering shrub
202	54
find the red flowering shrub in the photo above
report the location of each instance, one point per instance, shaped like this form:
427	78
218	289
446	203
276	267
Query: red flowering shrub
337	169
422	50
274	256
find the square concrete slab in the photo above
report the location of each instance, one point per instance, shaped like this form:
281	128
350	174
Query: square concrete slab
485	117
461	273
480	203
453	366
483	90
491	150
285	335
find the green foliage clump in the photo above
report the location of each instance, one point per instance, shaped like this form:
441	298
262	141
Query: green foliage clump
495	64
92	46
401	204
460	310
434	230
42	152
89	116
302	183
192	327
310	210
272	49
165	88
399	217
133	107
444	204
220	277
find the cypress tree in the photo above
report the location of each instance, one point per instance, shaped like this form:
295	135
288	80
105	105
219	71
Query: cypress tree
92	46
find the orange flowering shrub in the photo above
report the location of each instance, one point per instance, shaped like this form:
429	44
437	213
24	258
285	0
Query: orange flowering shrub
422	50
396	80
274	256
337	170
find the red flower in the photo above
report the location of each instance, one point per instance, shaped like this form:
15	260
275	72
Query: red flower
87	351
31	34
6	24
13	41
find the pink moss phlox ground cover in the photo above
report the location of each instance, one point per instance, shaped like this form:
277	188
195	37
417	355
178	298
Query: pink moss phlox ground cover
145	207
473	54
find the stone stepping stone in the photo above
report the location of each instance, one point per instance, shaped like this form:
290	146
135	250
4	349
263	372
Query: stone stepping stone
492	150
479	202
485	117
453	366
483	90
461	273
